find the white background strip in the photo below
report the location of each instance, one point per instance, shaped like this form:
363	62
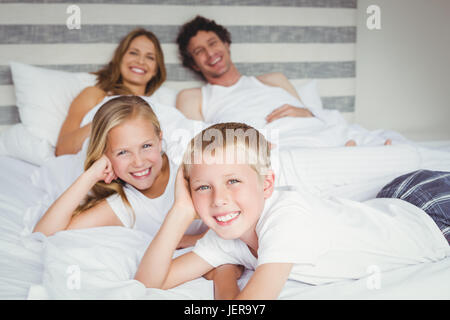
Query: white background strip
24	13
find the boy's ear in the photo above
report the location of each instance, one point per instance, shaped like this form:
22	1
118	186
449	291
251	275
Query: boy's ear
268	183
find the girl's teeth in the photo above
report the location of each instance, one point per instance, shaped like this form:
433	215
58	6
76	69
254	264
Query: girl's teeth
227	217
140	174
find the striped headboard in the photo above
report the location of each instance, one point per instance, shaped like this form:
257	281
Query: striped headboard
304	39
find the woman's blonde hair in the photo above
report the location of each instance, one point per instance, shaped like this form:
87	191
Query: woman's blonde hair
236	142
113	113
109	78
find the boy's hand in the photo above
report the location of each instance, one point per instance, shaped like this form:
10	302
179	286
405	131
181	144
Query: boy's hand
102	170
183	198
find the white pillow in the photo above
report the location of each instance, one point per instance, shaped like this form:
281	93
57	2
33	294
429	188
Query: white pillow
309	94
19	143
43	97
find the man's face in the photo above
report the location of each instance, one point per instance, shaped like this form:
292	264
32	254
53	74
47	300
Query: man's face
210	54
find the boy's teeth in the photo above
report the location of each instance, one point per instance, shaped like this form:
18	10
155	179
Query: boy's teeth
227	217
140	174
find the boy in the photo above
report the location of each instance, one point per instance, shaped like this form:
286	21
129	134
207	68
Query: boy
280	234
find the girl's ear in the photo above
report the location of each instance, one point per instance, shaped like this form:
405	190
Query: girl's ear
268	183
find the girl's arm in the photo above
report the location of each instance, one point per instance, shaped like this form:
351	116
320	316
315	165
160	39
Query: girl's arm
71	136
59	216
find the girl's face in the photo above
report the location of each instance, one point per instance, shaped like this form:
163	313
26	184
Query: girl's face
134	150
138	65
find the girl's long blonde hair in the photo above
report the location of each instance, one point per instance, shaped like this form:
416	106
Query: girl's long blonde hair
113	113
109	78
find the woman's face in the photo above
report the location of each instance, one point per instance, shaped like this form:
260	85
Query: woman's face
134	150
138	65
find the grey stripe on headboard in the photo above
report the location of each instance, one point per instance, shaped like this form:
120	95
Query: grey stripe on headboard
44	34
336	68
265	3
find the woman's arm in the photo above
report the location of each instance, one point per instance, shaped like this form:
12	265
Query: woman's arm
71	136
60	214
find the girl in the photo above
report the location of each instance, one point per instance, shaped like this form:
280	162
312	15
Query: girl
128	179
137	67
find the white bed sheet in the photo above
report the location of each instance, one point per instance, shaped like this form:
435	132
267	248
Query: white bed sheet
32	269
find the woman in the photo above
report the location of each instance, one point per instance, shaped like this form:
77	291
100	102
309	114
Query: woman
137	68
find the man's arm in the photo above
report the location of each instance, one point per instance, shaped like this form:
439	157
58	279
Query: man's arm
189	102
277	79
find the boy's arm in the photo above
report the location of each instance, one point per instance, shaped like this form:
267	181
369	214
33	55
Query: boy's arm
157	269
225	279
266	282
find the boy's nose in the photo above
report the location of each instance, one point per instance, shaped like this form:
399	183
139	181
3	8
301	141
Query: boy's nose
221	197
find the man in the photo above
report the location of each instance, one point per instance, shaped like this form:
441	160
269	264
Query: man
205	49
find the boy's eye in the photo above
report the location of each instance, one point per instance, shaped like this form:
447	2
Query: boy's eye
233	181
146	146
201	188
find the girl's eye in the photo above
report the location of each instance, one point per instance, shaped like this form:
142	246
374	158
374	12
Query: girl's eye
233	181
146	146
151	57
120	153
133	52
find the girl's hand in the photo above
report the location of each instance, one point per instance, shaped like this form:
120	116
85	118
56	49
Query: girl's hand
183	198
102	170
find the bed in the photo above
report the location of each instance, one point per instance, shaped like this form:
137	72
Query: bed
100	263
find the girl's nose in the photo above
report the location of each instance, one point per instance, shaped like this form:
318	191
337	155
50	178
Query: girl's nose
138	161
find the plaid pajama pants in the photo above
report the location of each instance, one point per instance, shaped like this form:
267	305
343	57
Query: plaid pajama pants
428	190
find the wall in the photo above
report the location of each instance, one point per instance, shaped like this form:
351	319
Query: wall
403	70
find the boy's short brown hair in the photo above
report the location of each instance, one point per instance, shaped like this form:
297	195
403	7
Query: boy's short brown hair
235	141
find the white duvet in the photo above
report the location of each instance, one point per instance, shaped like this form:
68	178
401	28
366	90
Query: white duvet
99	263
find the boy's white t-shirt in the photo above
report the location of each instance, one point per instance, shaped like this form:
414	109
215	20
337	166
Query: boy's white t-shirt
149	214
332	239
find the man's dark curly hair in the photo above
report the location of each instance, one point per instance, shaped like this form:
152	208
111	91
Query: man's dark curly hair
190	29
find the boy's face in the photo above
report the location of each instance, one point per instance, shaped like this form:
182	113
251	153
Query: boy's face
229	198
